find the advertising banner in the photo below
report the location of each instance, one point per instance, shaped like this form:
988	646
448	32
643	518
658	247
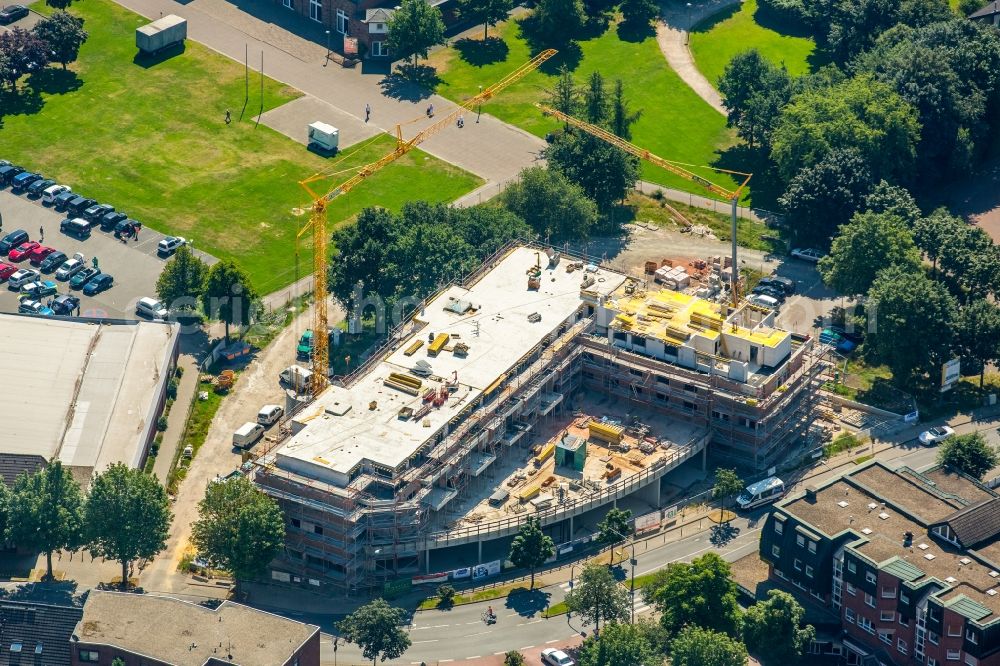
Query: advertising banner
431	578
486	570
459	574
647	522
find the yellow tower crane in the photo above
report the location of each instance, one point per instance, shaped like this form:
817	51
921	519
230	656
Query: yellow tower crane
676	168
318	206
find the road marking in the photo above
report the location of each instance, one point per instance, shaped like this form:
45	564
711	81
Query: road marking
496	653
734	549
442	661
554	640
474	622
474	656
433	640
526	647
477	634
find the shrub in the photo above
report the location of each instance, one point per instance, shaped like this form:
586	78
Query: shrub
446	593
161	423
172	389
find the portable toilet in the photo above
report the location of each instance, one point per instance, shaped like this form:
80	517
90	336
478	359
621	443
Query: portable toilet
323	137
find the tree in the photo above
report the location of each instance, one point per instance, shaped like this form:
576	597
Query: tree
894	200
727	484
513	658
754	91
618	644
375	627
699	593
127	516
446	595
638	14
614	528
564	95
228	295
555	208
598	596
182	280
414	28
531	547
604	172
825	195
772	629
5	498
969	454
622	118
239	528
854	25
933	232
859	113
487	12
22	52
64	34
595	100
365	250
695	646
558	21
909	324
969	255
978	334
868	244
46	512
117	661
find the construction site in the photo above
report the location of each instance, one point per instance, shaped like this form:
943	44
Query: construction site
541	385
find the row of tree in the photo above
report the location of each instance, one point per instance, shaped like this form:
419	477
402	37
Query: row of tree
56	38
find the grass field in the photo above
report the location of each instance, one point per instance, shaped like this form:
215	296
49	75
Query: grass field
675	124
715	41
149	138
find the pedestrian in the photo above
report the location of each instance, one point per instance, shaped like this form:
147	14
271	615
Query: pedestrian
135	237
461	121
41	234
368	112
430	111
229	117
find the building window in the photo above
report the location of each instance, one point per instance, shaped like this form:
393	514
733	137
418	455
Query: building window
887	616
931	661
851	566
809	571
800	540
849	615
970	636
379	49
316	10
903	621
955	631
797	564
296	522
933	637
851	590
866	624
888	593
342	23
288	4
869	600
317	529
870	577
778	527
901	645
885	637
90	656
970	660
903	599
776	551
953	655
812	546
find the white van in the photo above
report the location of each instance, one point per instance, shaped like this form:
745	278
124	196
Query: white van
151	308
247	435
764	301
269	414
297	377
52	191
762	492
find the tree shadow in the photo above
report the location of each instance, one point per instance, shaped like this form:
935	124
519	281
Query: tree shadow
570	54
60	593
528	603
706	24
25	101
410	83
635	32
782	25
594	27
480	52
723	534
147	60
53	81
766	185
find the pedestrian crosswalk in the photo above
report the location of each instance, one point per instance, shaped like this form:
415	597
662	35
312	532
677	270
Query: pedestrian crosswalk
638	603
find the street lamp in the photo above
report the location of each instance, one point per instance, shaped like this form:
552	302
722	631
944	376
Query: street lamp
632	562
479	111
328	46
687	27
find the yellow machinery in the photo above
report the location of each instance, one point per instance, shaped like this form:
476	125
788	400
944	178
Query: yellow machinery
317	208
440	340
676	168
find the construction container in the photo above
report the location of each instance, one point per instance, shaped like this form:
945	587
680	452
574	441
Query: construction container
528	493
440	340
161	34
545	454
323	137
606	432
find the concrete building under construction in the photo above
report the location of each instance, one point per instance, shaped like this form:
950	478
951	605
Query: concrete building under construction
542	385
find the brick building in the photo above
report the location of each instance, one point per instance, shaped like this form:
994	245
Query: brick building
908	560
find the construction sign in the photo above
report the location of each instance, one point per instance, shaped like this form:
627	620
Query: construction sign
350	45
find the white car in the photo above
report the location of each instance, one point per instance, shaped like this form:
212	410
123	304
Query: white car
170	244
52	191
555	657
21	278
69	269
935	435
807	254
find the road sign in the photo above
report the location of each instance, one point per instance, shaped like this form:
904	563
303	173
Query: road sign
950	373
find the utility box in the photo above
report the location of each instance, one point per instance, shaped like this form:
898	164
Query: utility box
323	137
571	452
161	34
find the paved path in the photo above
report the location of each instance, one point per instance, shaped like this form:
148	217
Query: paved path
490	149
186	389
672	36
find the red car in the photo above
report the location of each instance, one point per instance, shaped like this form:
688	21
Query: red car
6	270
21	252
39	253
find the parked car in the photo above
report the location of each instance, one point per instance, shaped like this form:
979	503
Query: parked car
29	306
12	240
39	289
96	212
38	187
807	254
12	13
269	414
6	270
554	657
785	284
7	173
75	226
23	251
110	220
776	293
50	263
21	181
70	268
169	245
38	255
935	435
79	204
65	304
81	277
53	191
61	201
764	301
150	307
98	283
22	277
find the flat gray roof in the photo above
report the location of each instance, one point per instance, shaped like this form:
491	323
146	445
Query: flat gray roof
83	392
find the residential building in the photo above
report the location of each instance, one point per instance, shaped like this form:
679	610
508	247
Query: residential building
909	560
990	14
36	634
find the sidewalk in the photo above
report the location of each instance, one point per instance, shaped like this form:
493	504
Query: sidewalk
186	389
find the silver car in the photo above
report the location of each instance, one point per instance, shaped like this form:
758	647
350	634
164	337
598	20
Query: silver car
21	278
69	269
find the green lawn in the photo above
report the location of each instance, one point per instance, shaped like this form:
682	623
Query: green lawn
149	137
716	40
675	124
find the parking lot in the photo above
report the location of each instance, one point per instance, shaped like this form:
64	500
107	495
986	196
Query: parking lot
134	265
